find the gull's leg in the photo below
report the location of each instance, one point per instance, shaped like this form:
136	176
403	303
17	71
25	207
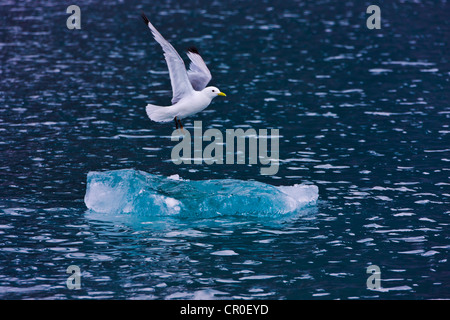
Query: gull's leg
176	123
181	126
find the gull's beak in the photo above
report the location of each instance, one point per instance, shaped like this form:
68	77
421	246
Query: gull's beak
222	94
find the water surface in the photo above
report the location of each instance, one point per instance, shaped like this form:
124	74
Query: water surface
363	114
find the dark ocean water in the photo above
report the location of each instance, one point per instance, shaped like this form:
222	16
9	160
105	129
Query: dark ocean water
363	114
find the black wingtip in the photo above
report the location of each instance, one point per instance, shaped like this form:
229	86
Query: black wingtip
193	50
145	18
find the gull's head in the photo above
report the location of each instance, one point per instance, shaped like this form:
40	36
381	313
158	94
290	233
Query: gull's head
213	92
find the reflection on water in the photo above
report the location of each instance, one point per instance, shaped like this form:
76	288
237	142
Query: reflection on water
363	114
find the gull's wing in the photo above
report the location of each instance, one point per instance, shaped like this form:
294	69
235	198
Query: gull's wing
181	86
198	73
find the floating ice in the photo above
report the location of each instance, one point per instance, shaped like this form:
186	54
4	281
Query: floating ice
141	193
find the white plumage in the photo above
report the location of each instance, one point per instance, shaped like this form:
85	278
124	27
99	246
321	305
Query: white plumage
190	94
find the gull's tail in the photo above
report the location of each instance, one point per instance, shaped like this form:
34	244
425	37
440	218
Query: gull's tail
159	114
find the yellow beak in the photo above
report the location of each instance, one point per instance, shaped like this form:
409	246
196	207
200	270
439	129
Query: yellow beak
222	94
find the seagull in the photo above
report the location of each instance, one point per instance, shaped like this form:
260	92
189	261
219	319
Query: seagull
190	94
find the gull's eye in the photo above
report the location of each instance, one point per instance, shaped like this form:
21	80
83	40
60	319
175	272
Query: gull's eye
213	91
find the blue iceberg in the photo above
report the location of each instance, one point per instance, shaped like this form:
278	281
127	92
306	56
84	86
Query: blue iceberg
141	193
